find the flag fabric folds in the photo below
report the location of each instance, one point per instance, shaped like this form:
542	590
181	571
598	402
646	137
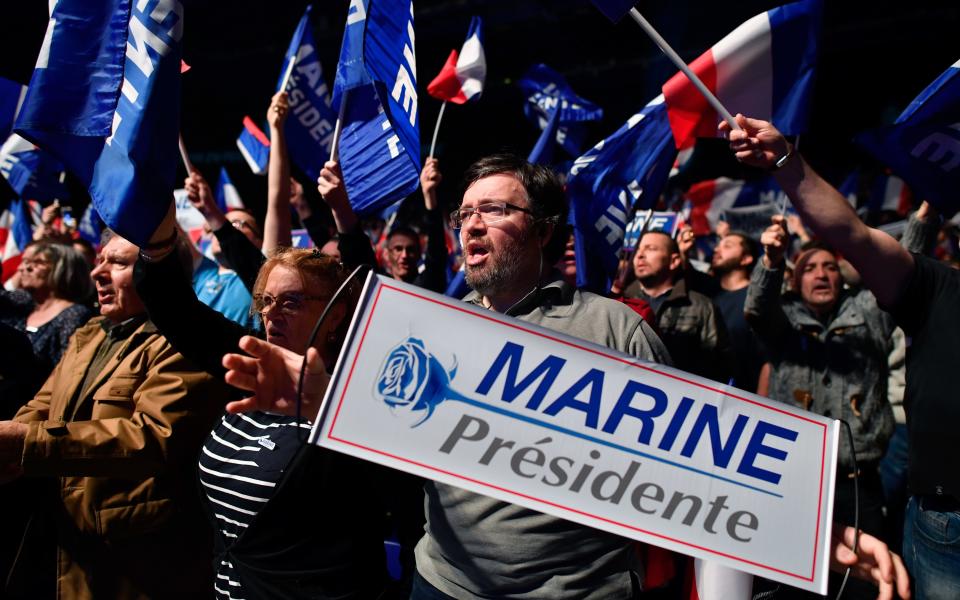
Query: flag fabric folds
713	199
376	93
923	145
764	69
11	97
228	198
32	173
104	99
91	226
254	145
310	122
16	231
890	193
547	92
623	172
461	78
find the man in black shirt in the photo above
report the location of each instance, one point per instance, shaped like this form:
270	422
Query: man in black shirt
924	297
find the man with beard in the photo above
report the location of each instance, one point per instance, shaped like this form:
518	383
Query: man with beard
733	260
512	227
828	349
687	320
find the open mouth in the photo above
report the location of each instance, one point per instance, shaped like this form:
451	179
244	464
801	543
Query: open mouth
476	253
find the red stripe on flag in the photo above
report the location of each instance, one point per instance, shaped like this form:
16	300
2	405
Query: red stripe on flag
446	85
691	116
250	126
701	196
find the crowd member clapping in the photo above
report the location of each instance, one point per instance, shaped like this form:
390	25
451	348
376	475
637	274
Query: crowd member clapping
54	282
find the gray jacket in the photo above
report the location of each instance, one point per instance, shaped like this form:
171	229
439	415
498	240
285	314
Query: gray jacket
838	370
478	547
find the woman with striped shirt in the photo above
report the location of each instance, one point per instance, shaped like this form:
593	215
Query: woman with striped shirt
292	520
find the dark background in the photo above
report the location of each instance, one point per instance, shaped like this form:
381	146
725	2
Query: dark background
874	58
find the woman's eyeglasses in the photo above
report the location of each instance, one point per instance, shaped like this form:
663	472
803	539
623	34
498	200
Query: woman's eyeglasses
287	304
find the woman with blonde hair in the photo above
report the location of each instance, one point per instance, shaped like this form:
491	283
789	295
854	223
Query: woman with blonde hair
53	282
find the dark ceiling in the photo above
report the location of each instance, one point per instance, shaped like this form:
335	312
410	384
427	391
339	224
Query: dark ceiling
874	58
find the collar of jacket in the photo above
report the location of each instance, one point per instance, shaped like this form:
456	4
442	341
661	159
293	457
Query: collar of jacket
847	314
555	292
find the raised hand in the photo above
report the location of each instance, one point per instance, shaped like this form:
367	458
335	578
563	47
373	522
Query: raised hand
271	373
873	562
758	143
774	240
430	178
277	113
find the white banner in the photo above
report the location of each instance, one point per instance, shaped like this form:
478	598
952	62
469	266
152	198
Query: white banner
471	398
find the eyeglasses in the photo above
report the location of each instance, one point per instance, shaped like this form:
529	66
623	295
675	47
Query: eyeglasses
288	304
491	212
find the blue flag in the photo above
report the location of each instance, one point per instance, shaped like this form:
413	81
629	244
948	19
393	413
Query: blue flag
309	126
91	225
923	146
376	92
624	172
104	99
11	96
32	173
547	92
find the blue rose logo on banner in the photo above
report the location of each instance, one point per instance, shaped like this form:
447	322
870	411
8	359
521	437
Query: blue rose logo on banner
412	381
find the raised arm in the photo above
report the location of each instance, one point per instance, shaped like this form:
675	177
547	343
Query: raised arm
763	307
435	265
884	265
355	247
276	222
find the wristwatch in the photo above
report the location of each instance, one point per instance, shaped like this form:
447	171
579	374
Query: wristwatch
783	159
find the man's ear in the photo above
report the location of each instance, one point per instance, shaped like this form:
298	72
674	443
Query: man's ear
545	230
747	260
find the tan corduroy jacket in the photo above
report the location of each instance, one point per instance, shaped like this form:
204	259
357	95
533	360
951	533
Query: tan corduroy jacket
125	454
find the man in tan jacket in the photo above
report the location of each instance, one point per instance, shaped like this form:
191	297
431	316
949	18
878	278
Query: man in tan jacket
119	424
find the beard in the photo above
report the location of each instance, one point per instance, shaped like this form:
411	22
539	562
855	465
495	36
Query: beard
501	270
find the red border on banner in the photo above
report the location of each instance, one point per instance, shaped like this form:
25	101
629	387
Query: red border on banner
353	365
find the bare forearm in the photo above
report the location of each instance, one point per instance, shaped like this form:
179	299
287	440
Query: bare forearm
276	226
883	263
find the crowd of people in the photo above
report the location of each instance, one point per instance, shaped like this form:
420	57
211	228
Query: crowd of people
177	401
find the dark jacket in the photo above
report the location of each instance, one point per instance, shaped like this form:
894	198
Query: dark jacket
692	330
837	369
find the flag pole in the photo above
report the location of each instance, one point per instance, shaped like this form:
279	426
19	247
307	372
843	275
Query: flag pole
673	56
334	154
184	157
436	128
288	73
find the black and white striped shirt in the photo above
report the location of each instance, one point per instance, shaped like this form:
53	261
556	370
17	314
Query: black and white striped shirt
240	465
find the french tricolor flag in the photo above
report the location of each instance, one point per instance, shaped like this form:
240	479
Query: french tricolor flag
254	145
764	69
461	78
228	198
890	193
15	233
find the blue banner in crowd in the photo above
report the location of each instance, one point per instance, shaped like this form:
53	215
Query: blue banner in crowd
11	96
923	146
309	126
547	92
32	173
104	99
624	172
379	147
91	225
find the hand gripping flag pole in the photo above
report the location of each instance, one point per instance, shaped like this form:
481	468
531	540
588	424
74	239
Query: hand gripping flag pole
675	58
